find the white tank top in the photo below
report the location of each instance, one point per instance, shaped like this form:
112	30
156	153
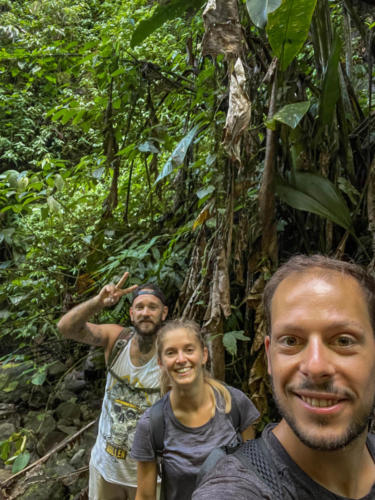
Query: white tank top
123	404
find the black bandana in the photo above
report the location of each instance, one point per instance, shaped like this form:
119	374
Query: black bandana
160	295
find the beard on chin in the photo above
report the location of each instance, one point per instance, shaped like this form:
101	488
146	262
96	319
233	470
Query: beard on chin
149	331
315	440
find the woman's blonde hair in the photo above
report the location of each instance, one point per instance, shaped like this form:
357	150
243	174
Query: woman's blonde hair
193	327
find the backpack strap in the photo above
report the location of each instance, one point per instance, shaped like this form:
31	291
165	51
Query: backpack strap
254	455
124	336
157	427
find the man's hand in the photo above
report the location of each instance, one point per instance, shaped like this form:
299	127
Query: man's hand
74	324
111	294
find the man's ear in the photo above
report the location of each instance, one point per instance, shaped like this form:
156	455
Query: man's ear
131	313
165	312
267	345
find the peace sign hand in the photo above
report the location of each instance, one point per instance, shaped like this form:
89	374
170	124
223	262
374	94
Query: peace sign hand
111	294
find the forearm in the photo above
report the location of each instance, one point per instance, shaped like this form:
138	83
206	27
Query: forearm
73	324
143	496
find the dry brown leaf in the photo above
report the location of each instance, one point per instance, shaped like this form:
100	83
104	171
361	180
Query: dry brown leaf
223	32
204	215
239	111
259	386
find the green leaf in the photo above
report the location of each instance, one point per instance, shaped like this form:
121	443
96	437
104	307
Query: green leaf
288	27
39	377
291	115
4	450
316	194
59	182
148	147
21	462
12	386
177	157
259	9
202	193
331	85
162	13
53	205
230	341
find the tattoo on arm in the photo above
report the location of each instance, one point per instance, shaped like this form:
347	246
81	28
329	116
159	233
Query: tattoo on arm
74	324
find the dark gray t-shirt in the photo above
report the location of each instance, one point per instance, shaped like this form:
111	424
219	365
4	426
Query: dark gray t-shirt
186	448
231	480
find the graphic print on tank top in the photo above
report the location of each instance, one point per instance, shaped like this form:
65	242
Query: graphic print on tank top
127	403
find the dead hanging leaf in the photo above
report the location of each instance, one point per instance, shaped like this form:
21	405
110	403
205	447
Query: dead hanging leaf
204	214
254	301
223	32
219	293
239	111
240	245
259	386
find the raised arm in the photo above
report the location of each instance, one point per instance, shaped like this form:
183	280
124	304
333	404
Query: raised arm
74	324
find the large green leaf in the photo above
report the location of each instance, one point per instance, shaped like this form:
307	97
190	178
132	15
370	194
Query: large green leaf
316	194
259	9
230	341
179	153
20	462
288	27
331	85
291	115
163	13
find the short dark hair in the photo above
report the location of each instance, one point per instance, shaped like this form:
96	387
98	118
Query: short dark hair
303	263
158	292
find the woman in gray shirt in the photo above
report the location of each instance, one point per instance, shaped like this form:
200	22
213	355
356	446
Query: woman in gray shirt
196	411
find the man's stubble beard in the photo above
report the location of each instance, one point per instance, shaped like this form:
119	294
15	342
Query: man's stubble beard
146	340
355	428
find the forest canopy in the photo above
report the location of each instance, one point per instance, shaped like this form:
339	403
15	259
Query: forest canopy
197	144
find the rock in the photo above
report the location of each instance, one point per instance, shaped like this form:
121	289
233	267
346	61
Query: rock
13	379
68	429
5	474
6	430
77	458
39	422
49	440
75	381
46	490
68	411
56	368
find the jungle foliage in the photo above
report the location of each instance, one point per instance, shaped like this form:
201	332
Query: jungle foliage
193	143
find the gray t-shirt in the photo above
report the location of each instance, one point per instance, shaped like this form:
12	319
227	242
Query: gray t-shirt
186	448
231	480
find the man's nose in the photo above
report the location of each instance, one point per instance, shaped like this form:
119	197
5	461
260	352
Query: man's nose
317	362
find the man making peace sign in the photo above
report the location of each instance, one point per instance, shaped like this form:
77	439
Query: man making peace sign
132	380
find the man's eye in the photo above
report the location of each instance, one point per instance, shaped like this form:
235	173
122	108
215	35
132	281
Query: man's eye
344	341
289	341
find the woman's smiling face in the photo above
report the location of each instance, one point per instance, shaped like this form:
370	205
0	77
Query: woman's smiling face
182	356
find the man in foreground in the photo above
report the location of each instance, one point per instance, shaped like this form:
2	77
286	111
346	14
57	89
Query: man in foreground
132	381
321	359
